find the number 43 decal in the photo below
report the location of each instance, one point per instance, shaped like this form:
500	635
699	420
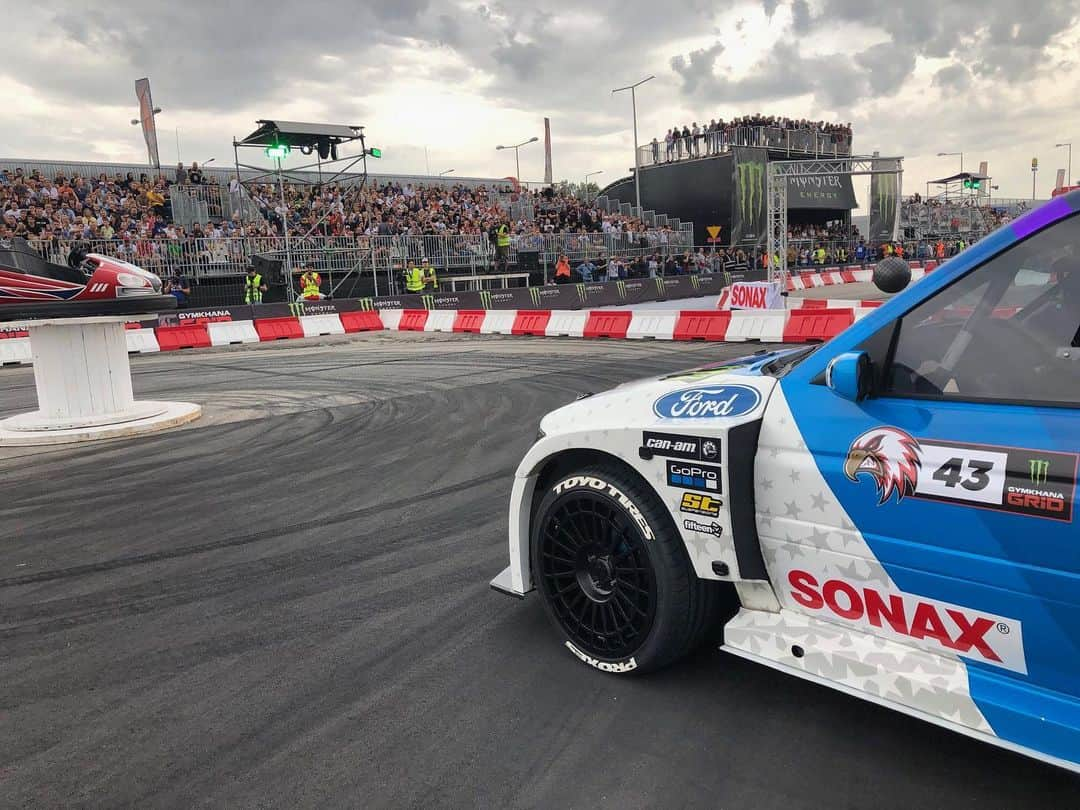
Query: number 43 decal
962	474
977	473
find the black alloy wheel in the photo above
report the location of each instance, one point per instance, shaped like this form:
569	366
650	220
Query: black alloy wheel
596	574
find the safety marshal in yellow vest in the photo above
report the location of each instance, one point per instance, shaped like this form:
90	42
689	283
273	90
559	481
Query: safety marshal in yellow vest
310	282
430	281
502	236
414	279
253	287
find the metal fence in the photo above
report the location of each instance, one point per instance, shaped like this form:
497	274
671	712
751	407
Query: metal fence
790	141
460	253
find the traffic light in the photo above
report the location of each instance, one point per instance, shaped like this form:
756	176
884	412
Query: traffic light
375	152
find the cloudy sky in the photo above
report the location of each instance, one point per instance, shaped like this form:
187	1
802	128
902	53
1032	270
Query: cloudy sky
997	79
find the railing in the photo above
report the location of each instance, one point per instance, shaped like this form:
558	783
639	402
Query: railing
789	141
200	257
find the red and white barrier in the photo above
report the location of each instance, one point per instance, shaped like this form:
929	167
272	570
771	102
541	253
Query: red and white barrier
316	325
228	333
766	325
829	276
499	322
567	323
440	320
811	320
654	324
141	341
390	318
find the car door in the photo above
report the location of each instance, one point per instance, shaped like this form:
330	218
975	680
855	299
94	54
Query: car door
955	482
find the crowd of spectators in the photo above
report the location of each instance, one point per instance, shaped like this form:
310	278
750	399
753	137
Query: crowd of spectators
397	209
76	207
718	136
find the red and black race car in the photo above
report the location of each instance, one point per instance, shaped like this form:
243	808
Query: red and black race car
91	284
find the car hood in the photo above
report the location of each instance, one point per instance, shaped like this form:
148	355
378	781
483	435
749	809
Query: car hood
725	391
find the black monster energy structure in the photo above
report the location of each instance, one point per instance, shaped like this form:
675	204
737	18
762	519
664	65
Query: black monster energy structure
748	204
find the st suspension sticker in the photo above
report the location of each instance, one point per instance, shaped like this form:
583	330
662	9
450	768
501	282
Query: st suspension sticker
1034	483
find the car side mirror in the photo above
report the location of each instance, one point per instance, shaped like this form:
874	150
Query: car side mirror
848	375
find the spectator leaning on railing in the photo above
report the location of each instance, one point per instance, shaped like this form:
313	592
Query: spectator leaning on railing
693	141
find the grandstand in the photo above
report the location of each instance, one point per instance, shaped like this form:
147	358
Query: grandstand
693	177
359	237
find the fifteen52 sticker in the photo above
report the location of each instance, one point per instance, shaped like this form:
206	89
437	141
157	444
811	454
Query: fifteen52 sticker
1036	483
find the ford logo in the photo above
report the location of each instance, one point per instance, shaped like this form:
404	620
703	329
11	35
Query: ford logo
707	403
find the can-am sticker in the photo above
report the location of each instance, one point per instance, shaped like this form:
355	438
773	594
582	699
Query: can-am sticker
1034	483
708	403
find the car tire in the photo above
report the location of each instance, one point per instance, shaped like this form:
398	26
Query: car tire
614	575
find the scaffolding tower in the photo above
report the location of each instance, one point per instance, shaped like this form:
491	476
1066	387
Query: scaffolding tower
776	189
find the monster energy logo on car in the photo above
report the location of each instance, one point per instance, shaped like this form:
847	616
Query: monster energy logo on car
1038	469
485	299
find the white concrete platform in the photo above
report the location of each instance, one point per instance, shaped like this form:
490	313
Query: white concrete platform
18	431
83	379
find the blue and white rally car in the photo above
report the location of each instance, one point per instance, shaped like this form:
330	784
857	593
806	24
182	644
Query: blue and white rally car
896	508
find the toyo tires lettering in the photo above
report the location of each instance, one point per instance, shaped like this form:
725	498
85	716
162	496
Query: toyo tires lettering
984	637
604	666
575	481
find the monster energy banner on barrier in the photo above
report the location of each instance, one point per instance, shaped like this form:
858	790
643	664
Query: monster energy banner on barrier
562	296
884	203
748	196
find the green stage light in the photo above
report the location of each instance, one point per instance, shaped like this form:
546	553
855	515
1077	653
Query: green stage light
375	152
277	151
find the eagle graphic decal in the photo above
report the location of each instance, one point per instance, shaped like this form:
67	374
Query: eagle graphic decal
888	455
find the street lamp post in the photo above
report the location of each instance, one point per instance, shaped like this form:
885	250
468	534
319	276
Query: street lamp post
587	176
517	159
637	159
1068	176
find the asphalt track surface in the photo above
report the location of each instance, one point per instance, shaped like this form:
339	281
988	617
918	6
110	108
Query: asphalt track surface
285	604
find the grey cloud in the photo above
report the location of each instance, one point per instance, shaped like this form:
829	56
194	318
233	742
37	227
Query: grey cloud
885	69
525	59
800	16
697	67
955	78
985	38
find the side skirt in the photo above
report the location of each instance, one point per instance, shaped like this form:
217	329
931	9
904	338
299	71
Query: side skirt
902	678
